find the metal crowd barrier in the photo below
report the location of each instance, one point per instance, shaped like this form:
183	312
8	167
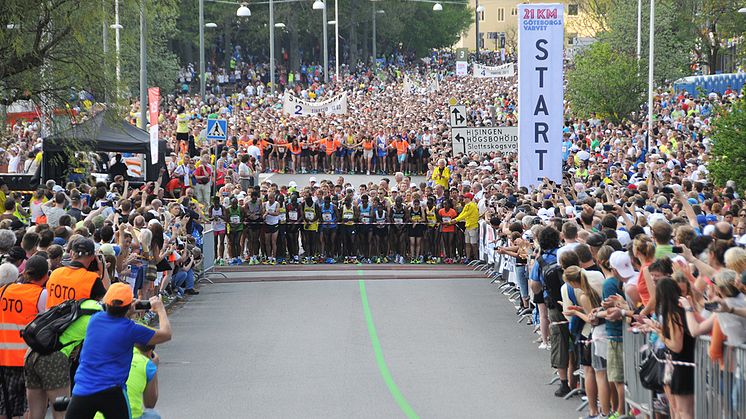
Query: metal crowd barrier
720	392
636	395
208	257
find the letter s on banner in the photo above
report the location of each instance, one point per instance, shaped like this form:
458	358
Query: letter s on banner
540	95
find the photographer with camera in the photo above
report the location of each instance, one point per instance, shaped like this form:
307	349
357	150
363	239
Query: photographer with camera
84	277
19	304
106	357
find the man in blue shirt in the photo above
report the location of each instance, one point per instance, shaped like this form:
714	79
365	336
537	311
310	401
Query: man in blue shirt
106	356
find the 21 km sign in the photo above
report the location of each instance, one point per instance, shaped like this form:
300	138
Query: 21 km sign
484	140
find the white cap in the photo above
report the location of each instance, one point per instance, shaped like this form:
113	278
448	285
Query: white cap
57	188
292	184
312	179
621	262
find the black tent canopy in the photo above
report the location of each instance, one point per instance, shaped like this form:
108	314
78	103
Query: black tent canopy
104	132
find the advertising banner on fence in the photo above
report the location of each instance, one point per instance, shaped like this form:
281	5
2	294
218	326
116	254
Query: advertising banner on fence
540	82
154	100
295	106
483	71
484	140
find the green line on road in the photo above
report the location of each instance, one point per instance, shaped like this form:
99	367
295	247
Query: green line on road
382	367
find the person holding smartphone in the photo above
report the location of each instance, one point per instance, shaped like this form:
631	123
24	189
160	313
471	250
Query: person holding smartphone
106	357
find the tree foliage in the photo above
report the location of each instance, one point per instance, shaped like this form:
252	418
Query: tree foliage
605	81
405	26
52	49
673	37
729	145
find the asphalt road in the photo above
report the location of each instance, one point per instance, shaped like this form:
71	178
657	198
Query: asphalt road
303	350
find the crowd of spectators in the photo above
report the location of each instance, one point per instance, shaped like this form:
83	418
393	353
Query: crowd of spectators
635	229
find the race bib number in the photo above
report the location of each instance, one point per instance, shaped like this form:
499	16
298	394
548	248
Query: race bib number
382	221
446	219
326	217
235	219
398	220
366	219
293	216
310	215
347	216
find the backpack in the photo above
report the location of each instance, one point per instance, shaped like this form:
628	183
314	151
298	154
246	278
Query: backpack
551	274
42	335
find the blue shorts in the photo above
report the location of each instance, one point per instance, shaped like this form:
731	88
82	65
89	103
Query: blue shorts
402	157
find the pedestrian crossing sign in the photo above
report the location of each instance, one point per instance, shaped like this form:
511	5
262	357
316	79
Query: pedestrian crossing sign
217	129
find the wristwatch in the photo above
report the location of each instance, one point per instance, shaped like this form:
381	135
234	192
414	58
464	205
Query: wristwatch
689	309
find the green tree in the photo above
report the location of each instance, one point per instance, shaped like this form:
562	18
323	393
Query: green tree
605	82
729	145
673	36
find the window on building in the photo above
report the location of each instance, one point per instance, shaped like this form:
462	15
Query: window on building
572	9
571	37
481	15
501	14
513	11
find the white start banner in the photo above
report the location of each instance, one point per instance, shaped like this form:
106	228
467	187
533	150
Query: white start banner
483	71
295	106
540	95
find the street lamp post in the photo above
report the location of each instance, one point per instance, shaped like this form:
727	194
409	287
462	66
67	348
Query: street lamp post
375	51
336	40
202	80
479	9
639	29
143	69
117	26
105	35
651	62
272	46
320	5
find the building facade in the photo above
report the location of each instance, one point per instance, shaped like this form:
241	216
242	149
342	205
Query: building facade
501	17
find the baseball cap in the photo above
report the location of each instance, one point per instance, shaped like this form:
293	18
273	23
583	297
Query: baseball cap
701	219
84	247
596	240
312	179
292	184
622	263
36	267
118	295
469	195
57	188
712	218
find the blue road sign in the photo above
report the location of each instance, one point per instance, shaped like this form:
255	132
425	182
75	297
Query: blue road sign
217	129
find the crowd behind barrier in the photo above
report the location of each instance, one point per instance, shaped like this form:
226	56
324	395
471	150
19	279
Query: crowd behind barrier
629	230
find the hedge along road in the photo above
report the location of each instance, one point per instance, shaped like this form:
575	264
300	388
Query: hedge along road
365	349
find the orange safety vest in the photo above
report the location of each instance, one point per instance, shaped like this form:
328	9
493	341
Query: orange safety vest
18	307
68	283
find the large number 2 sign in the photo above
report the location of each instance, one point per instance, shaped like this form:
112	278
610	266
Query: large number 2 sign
298	110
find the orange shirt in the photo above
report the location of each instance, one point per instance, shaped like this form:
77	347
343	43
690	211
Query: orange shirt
331	145
447	216
401	147
642	288
367	144
295	149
